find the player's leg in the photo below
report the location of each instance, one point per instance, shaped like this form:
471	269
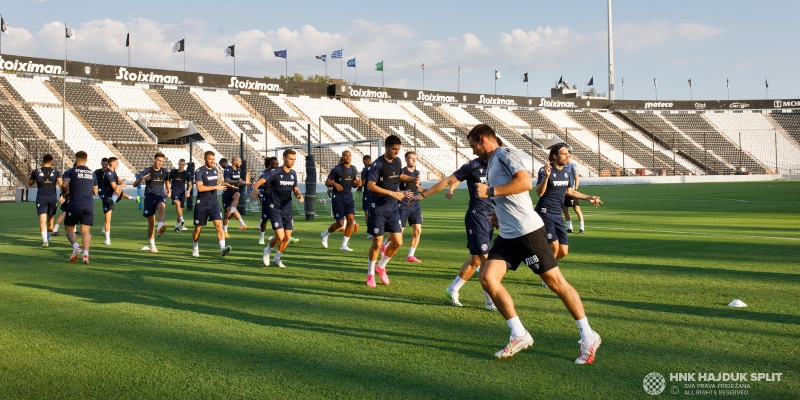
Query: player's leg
287	222
179	214
215	216
107	226
416	233
151	232
348	232
43	228
225	220
277	240
376	223
577	209
59	221
161	210
263	224
466	271
567	217
51	216
337	209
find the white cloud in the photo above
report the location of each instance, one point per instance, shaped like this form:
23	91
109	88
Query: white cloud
633	37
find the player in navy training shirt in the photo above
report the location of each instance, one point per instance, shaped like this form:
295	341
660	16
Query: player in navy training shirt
384	180
100	174
180	184
574	183
64	200
269	164
110	190
342	178
156	192
366	197
46	179
207	181
552	186
282	184
232	176
410	211
476	223
80	184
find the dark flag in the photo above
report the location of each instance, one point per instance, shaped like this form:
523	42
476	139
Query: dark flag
280	53
524	77
3	25
766	83
560	80
690	82
128	40
230	51
179	46
351	62
591	82
70	33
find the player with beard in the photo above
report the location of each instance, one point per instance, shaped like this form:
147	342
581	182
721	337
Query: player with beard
80	184
522	239
341	179
365	196
269	164
180	184
230	199
111	190
206	208
155	197
410	212
46	179
384	181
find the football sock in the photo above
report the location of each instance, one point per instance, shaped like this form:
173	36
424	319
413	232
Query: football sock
581	225
345	240
268	250
55	228
241	222
457	284
44	237
152	243
222	244
384	260
277	256
587	334
49	236
108	236
517	330
262	235
224	228
569	224
182	220
177	224
385	242
371	268
488	298
86	253
103	230
325	234
114	198
195	246
160	224
75	246
411	251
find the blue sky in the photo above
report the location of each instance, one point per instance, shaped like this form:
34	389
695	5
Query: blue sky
672	41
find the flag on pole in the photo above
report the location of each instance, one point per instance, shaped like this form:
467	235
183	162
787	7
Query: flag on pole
766	83
230	51
560	80
655	82
337	54
379	66
623	83
690	82
727	83
280	53
323	57
70	33
591	82
3	25
351	62
128	40
496	74
524	77
179	46
423	65
459	71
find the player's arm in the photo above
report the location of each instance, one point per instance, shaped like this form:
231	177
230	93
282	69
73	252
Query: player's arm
32	178
450	181
520	183
541	185
408	179
297	193
65	187
254	194
94	190
168	187
142	177
374	188
577	181
580	196
189	188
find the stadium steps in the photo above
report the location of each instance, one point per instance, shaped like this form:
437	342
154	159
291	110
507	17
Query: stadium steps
125	116
450	145
162	104
751	159
649	131
234	137
270	128
603	159
54	150
782	131
16	158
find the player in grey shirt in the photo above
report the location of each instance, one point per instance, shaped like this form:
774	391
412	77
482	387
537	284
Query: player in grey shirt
522	239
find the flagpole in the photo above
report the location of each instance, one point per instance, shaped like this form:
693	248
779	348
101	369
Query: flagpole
423	77
184	56
458	88
64	101
234	59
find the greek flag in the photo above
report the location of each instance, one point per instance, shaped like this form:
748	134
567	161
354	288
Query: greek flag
337	54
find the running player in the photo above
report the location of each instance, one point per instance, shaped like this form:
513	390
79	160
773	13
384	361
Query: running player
522	239
552	186
410	212
365	196
269	164
230	198
100	174
282	185
64	200
476	222
46	179
155	197
341	179
206	208
574	182
111	188
80	184
180	185
384	216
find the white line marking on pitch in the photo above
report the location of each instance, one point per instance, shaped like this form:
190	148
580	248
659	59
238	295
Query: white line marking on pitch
695	233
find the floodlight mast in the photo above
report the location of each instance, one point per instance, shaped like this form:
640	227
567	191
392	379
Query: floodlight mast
610	57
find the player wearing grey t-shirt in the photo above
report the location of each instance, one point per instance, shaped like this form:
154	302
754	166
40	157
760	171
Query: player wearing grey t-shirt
522	239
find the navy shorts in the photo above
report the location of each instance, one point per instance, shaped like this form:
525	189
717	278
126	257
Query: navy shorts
365	203
479	233
80	214
571	202
384	221
46	206
65	206
227	198
342	206
554	227
279	218
411	216
532	249
151	203
206	212
180	197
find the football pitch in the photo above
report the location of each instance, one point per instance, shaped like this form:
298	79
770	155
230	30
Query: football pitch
656	269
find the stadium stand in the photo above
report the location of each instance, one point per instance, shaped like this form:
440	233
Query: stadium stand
129	97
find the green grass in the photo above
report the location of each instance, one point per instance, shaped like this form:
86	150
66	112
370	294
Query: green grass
656	269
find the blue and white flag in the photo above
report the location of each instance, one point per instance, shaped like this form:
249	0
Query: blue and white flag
337	54
322	57
280	53
351	62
